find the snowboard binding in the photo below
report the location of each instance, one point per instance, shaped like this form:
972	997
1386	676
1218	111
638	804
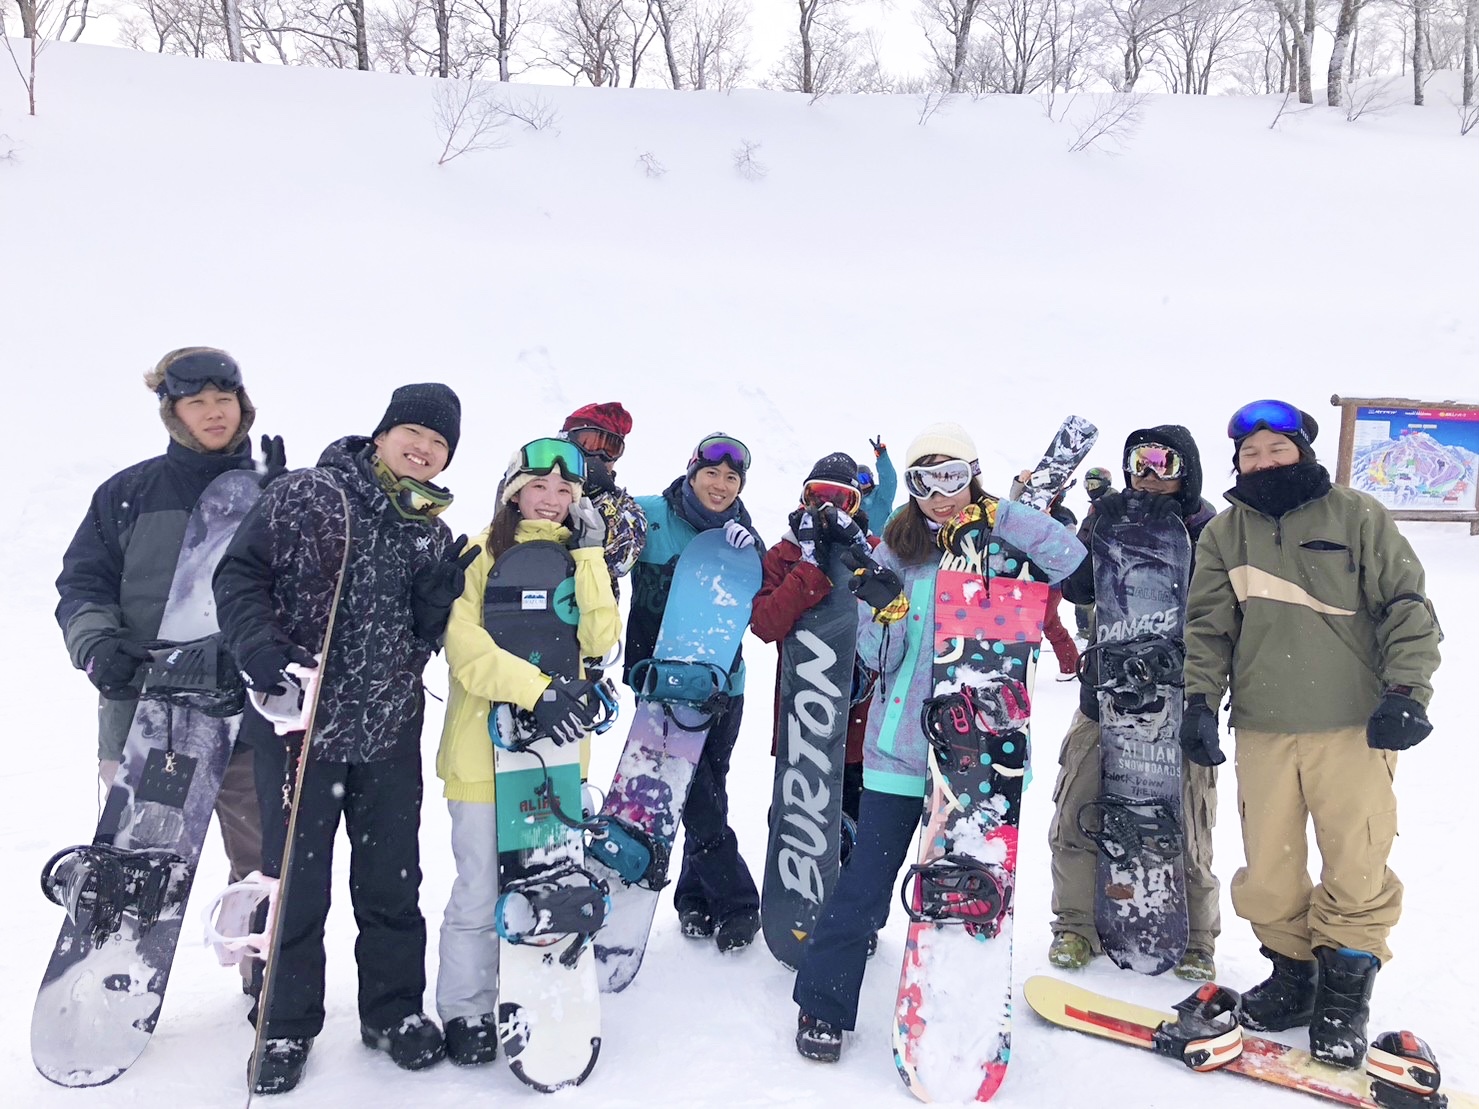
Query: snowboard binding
698	686
1206	1033
957	889
228	919
1404	1072
974	725
1135	672
514	729
545	907
197	674
1128	828
636	857
98	885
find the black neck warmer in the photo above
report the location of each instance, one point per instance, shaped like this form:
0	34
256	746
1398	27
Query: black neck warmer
1279	491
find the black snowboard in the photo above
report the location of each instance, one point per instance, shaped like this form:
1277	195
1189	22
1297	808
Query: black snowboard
1141	571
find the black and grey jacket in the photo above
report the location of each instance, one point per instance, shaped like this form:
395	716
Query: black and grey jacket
117	570
276	584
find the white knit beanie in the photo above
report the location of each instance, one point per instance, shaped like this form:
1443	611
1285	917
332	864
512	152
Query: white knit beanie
516	477
948	439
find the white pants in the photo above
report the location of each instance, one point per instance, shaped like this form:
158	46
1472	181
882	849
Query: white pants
467	975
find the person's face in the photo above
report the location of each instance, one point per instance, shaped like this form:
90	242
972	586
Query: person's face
716	487
938	507
1154	483
212	416
413	451
1266	450
545	498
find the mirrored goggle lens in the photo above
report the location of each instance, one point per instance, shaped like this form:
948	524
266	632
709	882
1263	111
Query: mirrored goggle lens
844	497
189	375
1272	414
420	500
723	448
865	481
1152	458
545	455
597	440
946	479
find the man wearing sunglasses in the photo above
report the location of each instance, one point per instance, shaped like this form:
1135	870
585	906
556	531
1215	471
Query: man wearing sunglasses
117	571
600	431
1162	463
1309	604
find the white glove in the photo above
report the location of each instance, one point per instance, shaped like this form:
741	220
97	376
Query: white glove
738	536
589	525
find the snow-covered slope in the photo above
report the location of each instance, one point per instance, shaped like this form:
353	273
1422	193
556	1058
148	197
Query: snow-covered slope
879	275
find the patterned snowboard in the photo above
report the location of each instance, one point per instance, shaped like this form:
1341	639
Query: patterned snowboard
1069	1006
1141	570
708	610
100	999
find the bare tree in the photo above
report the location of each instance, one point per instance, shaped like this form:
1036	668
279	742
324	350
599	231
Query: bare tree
231	24
1135	26
668	16
1345	30
947	29
1419	49
717	44
41	22
587	40
1298	20
1024	46
504	20
1201	38
1471	50
823	42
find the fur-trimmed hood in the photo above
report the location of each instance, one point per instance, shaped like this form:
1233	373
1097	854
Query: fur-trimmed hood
154	378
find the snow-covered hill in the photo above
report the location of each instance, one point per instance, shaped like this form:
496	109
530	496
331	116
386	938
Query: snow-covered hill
882	271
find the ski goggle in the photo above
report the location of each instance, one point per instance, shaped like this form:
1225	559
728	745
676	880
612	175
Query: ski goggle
844	497
944	479
1154	459
598	441
865	479
544	456
1275	415
188	375
412	499
722	448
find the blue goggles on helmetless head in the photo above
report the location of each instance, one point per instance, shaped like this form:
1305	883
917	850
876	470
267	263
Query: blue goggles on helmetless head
1275	415
187	376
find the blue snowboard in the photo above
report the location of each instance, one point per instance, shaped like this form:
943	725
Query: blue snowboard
707	612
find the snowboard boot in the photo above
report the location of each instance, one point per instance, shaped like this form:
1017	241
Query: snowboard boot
816	1039
872	944
1070	951
413	1042
283	1060
1285	999
1196	966
1342	1005
696	924
472	1041
737	932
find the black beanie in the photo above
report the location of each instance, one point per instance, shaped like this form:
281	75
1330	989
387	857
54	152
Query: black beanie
836	467
432	405
1303	438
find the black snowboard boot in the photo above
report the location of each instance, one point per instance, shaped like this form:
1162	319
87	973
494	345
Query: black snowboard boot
1342	1005
816	1039
414	1042
737	931
1285	999
695	923
472	1040
282	1066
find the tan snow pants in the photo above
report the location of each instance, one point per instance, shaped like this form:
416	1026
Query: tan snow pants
1284	780
1075	857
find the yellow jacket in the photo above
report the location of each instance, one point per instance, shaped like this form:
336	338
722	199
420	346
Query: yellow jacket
482	672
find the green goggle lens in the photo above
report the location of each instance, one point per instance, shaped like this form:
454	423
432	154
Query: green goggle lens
544	456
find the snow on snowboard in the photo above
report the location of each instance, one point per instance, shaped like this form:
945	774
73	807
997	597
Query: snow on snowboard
1203	1034
125	894
679	690
952	1018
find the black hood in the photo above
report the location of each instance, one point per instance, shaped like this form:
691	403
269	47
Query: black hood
1178	439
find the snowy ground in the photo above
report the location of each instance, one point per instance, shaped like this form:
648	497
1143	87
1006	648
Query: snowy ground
880	275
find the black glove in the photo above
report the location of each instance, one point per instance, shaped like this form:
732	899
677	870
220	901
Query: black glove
435	588
113	665
598	475
810	538
1111	506
876	586
1398	723
1199	732
878	447
838	526
1150	506
264	670
274	459
567	710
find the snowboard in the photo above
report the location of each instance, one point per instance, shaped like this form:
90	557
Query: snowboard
803	852
1070	1006
952	1016
102	991
1141	570
678	692
549	907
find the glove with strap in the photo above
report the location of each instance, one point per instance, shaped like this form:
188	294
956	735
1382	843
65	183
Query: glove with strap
838	526
435	588
809	537
113	665
1199	729
265	669
587	525
1398	723
877	587
738	536
565	711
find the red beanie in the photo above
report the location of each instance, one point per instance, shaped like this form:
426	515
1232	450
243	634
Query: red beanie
610	416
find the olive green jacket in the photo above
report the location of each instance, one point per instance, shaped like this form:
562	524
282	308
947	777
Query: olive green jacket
1308	617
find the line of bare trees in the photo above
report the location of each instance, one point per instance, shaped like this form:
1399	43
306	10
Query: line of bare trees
971	46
